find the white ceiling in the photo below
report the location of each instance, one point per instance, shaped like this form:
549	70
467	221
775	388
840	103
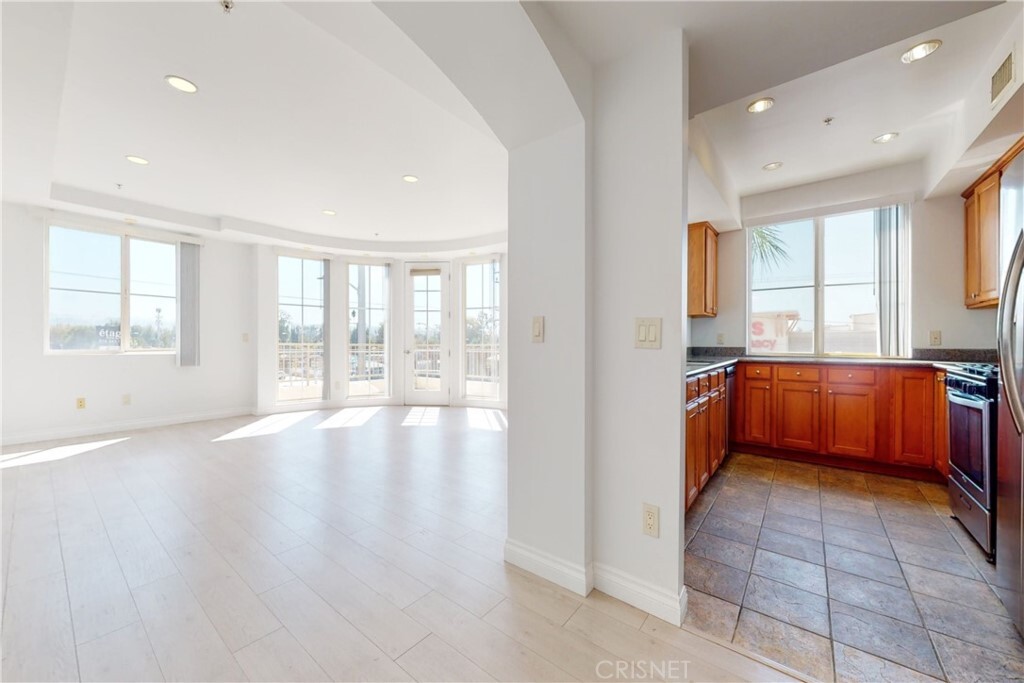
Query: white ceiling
311	106
868	95
739	48
289	120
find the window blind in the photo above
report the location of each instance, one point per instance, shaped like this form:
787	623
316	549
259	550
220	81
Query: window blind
188	304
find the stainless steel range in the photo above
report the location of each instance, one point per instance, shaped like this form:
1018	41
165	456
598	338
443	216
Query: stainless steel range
972	390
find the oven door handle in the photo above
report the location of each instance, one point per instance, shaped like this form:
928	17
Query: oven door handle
966	400
1004	334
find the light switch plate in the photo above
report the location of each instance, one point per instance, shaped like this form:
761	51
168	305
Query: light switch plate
935	338
537	333
647	333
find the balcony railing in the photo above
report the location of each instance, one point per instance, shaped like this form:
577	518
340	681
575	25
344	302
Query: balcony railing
483	362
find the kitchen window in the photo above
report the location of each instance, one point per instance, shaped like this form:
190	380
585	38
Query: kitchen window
830	285
110	292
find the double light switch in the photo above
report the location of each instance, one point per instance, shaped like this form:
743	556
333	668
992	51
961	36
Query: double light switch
648	333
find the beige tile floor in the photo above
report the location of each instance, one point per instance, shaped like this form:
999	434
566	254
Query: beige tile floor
361	545
845	576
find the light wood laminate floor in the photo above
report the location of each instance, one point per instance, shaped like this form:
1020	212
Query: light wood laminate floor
363	544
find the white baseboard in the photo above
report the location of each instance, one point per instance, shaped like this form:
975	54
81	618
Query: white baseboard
575	577
664	604
119	426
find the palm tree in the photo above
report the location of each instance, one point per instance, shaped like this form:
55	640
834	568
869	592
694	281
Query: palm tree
767	248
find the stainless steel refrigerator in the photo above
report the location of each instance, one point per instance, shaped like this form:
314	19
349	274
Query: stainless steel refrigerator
1010	422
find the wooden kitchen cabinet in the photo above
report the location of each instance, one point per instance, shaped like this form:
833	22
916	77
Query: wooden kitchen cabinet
717	428
757	411
850	418
702	271
798	415
981	252
914	417
941	438
691	453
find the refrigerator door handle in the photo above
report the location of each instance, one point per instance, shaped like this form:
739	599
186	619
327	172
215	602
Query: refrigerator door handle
1004	334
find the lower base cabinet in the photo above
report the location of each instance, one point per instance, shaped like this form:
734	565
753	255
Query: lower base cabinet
706	437
892	417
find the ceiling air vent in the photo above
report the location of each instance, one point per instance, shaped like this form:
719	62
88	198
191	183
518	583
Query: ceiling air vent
1002	77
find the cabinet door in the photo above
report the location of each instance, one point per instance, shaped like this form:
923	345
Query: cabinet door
798	416
972	251
914	417
988	241
850	420
702	270
716	429
692	410
981	245
757	411
703	444
941	425
710	271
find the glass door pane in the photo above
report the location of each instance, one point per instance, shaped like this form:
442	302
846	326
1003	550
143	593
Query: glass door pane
426	349
368	307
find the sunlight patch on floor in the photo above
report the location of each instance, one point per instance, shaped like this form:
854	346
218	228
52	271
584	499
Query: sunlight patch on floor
488	419
271	424
349	417
422	417
53	454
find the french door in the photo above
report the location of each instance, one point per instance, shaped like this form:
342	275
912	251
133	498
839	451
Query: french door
428	335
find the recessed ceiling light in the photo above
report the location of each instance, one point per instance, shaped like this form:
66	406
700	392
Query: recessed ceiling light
763	104
410	179
773	166
182	84
885	137
329	212
137	160
920	51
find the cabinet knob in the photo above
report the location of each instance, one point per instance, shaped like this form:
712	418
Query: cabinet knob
757	372
974	295
849	376
797	373
830	391
815	391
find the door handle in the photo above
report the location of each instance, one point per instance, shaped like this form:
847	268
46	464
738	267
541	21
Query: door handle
1004	334
407	352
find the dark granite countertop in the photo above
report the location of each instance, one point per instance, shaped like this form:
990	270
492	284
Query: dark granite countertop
699	365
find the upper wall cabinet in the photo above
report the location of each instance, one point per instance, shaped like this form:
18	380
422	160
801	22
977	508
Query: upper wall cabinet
981	234
702	271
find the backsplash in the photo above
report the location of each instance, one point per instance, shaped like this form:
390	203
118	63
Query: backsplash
715	352
958	355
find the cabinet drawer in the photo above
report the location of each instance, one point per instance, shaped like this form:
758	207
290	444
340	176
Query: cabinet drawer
717	378
797	373
851	376
704	384
692	390
758	372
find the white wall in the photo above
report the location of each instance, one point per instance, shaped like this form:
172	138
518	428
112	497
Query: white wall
39	390
640	153
732	296
936	285
548	524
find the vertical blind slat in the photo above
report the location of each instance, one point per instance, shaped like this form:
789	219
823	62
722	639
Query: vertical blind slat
188	304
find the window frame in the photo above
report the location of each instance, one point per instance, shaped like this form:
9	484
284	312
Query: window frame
327	260
125	236
389	372
818	220
463	264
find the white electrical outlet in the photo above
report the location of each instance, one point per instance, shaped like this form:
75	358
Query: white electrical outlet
935	337
245	337
720	339
126	399
652	523
80	403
